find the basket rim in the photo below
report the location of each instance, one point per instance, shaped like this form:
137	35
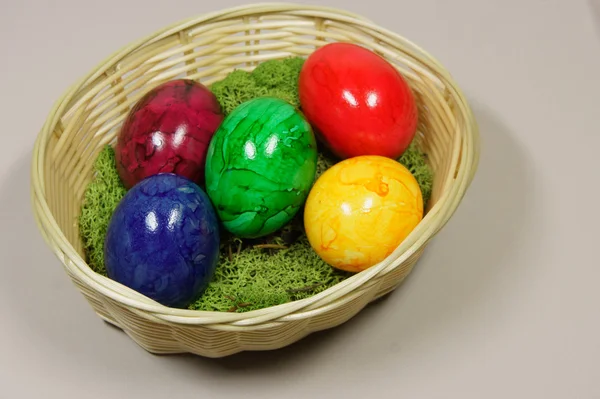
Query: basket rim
466	159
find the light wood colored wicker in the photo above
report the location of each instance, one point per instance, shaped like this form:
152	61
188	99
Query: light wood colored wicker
206	48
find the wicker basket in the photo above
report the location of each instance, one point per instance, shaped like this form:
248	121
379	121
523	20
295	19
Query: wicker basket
206	48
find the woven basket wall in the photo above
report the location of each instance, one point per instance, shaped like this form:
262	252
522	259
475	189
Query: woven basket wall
206	48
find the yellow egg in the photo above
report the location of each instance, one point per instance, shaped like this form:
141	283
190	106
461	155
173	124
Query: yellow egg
360	210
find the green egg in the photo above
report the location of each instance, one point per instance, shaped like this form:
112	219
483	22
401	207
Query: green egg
260	166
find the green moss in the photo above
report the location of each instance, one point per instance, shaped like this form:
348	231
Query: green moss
235	89
278	73
415	160
280	77
101	197
257	277
276	78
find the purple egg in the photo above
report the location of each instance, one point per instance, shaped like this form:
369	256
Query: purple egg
163	240
168	131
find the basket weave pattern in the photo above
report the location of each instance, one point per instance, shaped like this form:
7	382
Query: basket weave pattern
206	48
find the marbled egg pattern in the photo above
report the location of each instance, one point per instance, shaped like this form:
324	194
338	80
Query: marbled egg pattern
168	131
360	210
260	166
163	240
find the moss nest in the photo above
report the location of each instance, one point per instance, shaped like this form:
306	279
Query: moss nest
101	197
275	78
251	274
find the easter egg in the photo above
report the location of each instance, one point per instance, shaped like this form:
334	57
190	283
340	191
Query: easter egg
163	240
357	102
260	166
168	131
360	210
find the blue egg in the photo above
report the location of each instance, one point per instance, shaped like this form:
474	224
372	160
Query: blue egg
163	240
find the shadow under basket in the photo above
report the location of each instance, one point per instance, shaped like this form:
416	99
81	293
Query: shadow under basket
206	48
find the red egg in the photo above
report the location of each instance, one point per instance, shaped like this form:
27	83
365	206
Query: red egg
358	103
168	131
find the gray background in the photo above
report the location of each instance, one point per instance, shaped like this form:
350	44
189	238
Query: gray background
505	302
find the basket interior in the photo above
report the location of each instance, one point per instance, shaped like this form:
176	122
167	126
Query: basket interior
206	52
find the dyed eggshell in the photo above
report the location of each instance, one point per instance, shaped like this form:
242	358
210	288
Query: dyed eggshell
358	103
168	131
260	166
163	240
360	210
